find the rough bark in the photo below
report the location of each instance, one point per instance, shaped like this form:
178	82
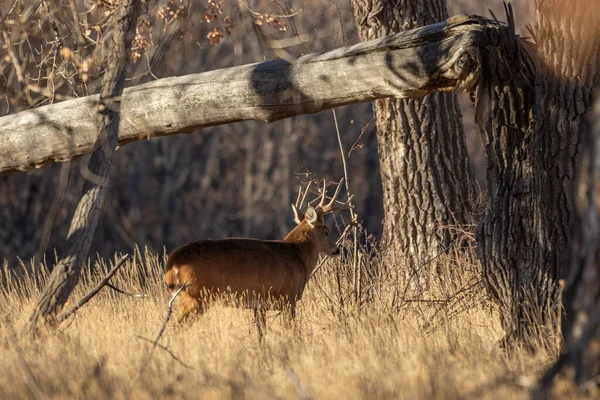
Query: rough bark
426	175
505	234
581	297
65	275
531	140
409	64
568	37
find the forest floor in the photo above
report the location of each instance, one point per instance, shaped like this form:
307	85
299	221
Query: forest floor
392	346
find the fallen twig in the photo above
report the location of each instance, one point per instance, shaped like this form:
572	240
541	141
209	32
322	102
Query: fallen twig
297	384
94	291
29	379
163	327
165	348
25	370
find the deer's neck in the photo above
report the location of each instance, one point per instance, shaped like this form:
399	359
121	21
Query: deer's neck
301	239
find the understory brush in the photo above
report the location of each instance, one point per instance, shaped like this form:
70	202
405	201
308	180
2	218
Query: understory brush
365	334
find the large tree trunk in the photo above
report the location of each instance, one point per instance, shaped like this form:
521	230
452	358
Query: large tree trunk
568	36
581	297
65	274
531	141
426	175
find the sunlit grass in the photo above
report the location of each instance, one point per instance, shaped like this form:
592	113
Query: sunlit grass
386	348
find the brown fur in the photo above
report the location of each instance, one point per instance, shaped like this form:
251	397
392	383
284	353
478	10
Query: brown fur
257	273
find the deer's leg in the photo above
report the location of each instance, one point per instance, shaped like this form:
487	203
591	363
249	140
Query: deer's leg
260	317
189	307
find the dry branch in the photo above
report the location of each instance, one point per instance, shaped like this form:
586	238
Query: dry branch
163	327
123	292
94	291
30	381
165	348
297	384
355	252
442	56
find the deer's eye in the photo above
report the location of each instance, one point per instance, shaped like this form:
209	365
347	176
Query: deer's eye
326	233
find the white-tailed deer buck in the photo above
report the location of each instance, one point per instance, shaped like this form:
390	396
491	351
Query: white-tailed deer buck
259	274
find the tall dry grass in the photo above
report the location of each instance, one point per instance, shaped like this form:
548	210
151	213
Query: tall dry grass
379	343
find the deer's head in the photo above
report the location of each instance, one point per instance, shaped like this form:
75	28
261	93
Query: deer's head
312	223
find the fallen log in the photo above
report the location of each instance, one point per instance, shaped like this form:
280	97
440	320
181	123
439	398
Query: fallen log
443	56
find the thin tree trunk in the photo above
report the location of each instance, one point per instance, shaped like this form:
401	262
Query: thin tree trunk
65	275
531	142
426	175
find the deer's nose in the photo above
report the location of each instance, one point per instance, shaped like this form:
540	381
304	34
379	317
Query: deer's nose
335	251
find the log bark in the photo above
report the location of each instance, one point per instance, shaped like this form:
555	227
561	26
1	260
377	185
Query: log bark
408	64
426	174
65	275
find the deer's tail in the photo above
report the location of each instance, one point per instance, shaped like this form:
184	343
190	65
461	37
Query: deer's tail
172	278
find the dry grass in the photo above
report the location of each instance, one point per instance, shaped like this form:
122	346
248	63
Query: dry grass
423	350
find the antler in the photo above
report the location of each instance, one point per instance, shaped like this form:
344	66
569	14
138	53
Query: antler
332	206
302	196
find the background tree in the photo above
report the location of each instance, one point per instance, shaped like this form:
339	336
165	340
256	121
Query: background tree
190	176
65	274
200	169
426	175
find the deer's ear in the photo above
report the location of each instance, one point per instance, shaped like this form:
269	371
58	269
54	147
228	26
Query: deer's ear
298	216
312	217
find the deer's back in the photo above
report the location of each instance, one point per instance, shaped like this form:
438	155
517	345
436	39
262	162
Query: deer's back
240	265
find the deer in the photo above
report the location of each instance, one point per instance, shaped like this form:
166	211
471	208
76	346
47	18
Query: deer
258	274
